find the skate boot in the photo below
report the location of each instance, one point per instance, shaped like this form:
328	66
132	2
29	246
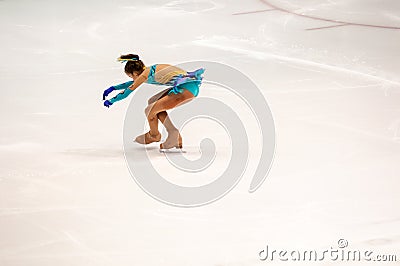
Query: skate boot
147	138
174	140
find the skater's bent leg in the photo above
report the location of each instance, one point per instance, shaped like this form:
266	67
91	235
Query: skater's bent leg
159	107
164	118
163	115
165	103
158	96
152	119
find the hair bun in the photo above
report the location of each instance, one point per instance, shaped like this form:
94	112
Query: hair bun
128	57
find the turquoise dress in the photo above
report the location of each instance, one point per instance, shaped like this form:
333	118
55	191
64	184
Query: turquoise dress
190	81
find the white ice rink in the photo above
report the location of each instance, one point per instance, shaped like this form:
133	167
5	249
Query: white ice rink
329	70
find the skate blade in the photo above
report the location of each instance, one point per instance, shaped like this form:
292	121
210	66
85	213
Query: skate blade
172	150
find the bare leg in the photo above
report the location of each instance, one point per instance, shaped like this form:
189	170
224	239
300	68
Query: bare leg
157	110
174	137
150	137
163	115
164	118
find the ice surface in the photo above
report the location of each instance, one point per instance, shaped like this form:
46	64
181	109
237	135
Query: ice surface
66	195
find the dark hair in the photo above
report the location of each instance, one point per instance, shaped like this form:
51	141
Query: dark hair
131	66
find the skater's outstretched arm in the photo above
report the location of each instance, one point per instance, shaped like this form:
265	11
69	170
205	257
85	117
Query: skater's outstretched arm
121	86
124	85
122	95
139	81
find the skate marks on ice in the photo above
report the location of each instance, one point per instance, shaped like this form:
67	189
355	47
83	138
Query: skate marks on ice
334	22
198	158
193	7
96	153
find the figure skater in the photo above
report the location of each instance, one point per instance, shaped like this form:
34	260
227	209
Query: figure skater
184	87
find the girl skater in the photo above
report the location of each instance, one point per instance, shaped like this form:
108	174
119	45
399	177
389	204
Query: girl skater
184	87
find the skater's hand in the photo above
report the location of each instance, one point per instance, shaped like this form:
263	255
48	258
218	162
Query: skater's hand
108	91
107	103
